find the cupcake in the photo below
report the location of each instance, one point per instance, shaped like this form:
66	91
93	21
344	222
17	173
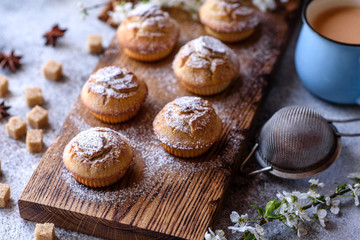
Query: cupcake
206	66
98	157
229	20
187	127
113	94
148	34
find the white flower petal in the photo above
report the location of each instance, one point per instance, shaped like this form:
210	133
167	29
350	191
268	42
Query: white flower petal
244	217
335	202
301	230
234	216
321	213
322	222
314	181
335	210
207	236
327	200
356	200
354	175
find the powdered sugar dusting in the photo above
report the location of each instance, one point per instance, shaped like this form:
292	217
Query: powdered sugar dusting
207	45
202	51
207	53
149	20
231	15
97	145
187	114
113	82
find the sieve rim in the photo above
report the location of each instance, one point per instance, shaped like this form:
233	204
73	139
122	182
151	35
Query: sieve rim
283	173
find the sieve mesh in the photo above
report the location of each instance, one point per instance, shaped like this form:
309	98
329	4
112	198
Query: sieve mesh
296	139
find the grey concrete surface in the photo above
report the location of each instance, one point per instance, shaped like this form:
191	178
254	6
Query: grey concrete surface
21	27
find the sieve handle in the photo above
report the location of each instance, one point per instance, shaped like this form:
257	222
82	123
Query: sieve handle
339	134
261	170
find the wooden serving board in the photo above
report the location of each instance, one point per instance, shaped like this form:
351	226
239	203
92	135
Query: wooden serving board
161	196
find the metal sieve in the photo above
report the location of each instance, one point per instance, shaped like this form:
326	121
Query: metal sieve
297	142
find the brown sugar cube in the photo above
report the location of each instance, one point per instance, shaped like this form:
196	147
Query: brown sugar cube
37	117
33	96
34	140
16	127
4	194
44	231
94	44
52	70
4	85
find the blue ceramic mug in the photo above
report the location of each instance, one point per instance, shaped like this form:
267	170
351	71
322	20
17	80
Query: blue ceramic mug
328	68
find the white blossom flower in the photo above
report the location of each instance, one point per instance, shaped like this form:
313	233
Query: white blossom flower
315	182
258	232
355	175
301	230
217	235
236	218
80	5
320	214
334	204
240	222
312	194
120	12
264	5
302	214
355	191
240	228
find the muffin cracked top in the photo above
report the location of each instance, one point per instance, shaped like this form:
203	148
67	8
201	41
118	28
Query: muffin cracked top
206	61
97	152
229	15
187	122
148	30
113	82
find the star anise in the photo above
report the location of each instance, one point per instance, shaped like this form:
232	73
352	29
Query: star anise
52	35
11	61
3	110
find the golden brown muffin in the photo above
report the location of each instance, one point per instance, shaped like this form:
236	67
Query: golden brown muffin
229	20
98	157
114	94
187	127
148	34
206	66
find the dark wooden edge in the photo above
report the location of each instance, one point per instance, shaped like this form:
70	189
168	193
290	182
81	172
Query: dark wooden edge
67	219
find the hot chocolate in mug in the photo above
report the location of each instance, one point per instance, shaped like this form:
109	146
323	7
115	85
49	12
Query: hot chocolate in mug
327	55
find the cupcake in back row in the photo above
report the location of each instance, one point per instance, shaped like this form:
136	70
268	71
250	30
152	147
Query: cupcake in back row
229	20
148	34
114	94
206	66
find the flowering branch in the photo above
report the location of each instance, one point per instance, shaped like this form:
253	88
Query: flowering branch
290	209
84	11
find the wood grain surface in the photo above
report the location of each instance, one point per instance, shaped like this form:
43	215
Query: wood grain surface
161	196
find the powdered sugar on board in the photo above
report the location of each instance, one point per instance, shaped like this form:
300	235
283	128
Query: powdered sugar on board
151	160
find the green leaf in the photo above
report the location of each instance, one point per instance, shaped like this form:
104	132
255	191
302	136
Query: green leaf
273	216
259	210
249	236
271	206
